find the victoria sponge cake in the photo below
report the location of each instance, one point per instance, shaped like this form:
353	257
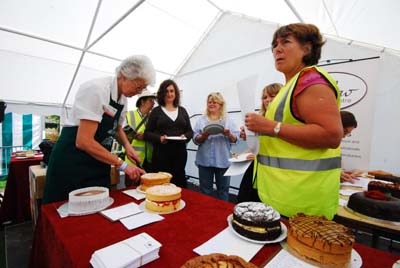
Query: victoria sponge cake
150	179
163	198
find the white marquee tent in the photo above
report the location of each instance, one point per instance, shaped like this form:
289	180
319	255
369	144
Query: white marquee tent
49	47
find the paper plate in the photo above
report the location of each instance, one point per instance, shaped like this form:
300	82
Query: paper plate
142	207
213	129
176	138
64	209
276	240
240	158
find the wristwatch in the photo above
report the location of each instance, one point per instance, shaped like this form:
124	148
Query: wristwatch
277	128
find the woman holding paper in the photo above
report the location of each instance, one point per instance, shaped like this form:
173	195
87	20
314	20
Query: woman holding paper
298	164
214	146
169	129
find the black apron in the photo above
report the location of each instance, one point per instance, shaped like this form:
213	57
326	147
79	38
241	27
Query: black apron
71	168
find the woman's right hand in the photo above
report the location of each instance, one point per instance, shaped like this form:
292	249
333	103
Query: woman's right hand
163	139
134	172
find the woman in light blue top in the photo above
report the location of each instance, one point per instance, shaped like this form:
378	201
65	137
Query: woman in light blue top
214	149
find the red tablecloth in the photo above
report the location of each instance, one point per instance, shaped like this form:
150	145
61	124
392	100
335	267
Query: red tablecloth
16	201
70	242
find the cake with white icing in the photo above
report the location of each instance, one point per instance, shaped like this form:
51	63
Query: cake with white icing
88	199
257	221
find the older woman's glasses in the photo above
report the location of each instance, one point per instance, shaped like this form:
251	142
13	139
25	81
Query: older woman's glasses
139	88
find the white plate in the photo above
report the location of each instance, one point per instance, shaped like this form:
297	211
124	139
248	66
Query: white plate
276	240
176	138
396	264
355	258
64	209
240	158
142	206
213	129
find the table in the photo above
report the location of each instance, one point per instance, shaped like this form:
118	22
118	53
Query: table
70	242
16	206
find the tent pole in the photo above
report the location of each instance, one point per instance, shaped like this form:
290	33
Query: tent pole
115	23
83	53
294	11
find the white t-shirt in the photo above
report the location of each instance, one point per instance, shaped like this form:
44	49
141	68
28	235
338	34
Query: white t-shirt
91	99
171	114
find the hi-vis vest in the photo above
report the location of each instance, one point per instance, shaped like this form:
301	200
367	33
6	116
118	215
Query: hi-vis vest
144	149
293	179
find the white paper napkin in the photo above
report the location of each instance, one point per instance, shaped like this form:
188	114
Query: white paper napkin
141	219
120	212
135	194
348	192
228	243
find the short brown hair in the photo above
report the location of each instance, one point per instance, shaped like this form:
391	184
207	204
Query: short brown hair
304	34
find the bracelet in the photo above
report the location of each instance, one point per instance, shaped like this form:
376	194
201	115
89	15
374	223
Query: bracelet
123	166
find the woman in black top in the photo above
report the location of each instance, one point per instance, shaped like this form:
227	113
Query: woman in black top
169	129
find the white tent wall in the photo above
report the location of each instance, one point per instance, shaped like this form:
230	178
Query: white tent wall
238	47
385	144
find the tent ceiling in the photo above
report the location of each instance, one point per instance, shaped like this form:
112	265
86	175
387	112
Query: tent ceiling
41	42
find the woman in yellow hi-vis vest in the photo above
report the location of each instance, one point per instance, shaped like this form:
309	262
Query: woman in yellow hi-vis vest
298	164
137	119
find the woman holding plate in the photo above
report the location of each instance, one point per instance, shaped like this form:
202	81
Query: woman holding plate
169	129
214	133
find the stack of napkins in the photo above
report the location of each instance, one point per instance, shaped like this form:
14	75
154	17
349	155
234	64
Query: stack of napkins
132	252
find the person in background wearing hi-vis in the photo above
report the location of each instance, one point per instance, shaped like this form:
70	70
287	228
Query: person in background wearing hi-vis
137	119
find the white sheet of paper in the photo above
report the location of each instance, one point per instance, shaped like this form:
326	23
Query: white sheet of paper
135	194
348	192
284	260
361	182
123	211
226	242
237	168
141	219
246	91
342	202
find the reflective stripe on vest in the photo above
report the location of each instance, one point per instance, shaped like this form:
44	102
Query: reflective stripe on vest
299	164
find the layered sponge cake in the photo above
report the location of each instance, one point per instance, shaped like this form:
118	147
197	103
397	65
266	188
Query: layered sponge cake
163	198
256	220
320	240
150	179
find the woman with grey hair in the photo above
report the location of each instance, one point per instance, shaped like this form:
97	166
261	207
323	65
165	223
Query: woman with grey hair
81	157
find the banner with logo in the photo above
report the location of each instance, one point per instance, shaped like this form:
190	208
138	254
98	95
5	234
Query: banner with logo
357	83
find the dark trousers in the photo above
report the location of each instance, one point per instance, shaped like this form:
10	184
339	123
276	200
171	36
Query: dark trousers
171	157
246	190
